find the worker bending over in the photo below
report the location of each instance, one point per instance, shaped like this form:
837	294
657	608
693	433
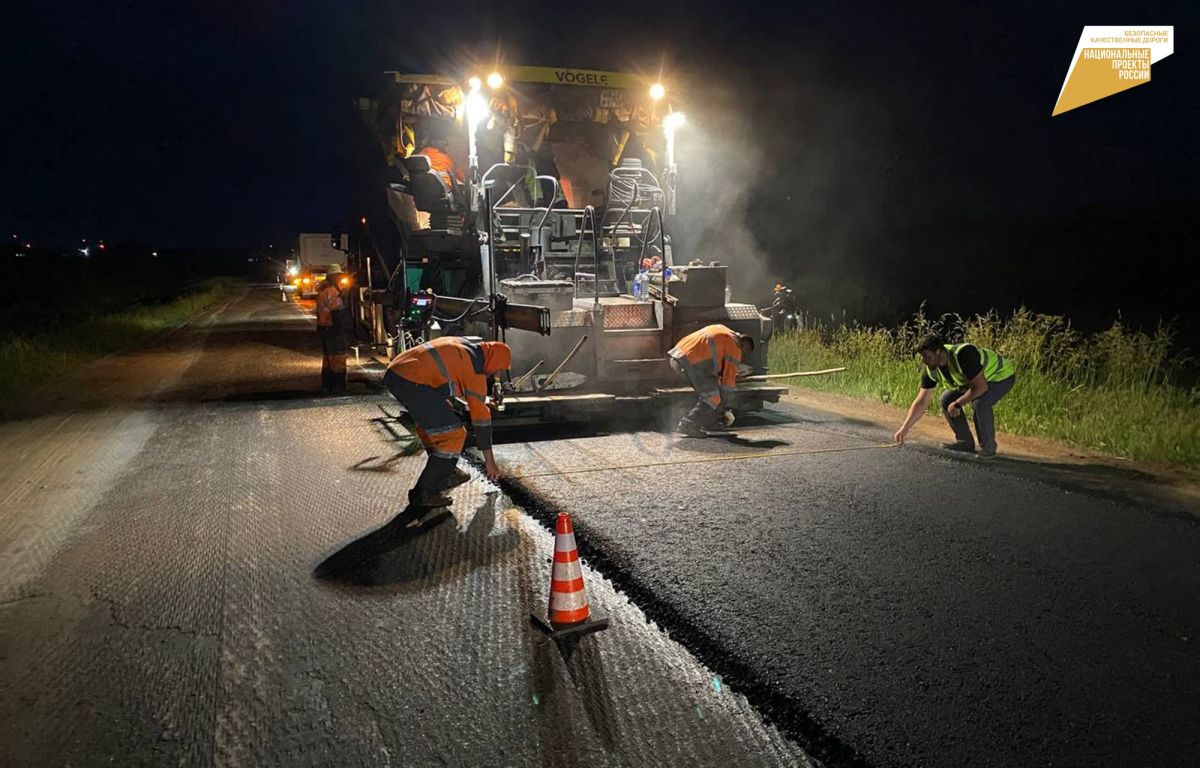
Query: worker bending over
972	374
331	328
423	380
709	360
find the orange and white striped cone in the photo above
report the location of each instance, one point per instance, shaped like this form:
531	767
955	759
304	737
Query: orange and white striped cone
569	613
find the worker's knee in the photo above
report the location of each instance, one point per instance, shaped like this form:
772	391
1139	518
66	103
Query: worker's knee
949	396
448	442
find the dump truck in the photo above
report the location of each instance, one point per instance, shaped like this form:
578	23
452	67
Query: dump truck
315	254
535	206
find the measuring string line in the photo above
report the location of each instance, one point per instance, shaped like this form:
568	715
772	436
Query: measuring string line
706	460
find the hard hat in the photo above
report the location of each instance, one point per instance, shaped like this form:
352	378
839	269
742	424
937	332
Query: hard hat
334	269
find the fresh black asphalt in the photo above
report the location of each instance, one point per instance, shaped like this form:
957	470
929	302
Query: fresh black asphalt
898	607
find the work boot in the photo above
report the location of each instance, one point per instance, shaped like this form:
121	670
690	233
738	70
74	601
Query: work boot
689	428
424	497
959	447
986	454
457	477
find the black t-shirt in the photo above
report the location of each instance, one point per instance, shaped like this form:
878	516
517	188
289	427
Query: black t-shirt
969	362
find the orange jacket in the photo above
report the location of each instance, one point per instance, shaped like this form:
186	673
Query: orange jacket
461	367
714	347
329	300
441	164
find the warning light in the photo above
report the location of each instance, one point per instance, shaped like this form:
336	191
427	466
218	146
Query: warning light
657	91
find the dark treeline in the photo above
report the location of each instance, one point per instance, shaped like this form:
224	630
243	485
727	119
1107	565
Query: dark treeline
60	288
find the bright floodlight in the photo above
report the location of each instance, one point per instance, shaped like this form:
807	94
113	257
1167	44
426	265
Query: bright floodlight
670	124
475	83
477	109
495	80
657	91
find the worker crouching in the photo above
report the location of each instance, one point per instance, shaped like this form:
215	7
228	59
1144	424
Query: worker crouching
709	360
423	380
972	374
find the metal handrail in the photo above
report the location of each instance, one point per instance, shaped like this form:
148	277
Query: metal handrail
589	215
553	199
656	212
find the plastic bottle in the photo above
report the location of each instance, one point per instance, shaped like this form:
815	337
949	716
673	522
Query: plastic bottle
639	286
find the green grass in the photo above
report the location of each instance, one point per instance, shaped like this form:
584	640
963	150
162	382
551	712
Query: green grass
31	360
1119	392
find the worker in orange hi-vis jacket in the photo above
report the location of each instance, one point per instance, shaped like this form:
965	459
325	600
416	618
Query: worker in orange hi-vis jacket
423	380
709	360
330	322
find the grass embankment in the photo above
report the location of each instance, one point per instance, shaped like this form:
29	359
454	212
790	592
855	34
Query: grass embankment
30	360
1117	392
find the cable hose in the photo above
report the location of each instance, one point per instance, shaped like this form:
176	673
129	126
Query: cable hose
470	308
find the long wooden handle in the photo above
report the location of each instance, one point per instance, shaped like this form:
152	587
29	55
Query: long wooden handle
547	381
521	381
769	376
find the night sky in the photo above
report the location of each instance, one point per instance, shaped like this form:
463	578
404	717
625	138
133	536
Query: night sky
226	124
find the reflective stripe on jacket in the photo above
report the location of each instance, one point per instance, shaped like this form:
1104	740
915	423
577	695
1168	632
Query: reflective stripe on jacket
995	367
457	366
714	347
329	300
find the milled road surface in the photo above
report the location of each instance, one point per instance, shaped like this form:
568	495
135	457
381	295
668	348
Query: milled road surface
198	570
899	607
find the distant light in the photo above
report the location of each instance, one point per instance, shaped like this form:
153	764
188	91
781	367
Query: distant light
364	221
28	245
154	254
495	80
101	246
657	91
85	251
475	83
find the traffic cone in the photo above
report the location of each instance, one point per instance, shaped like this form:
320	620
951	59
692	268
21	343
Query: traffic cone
568	612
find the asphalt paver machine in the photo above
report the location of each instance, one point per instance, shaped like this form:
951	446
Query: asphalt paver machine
535	206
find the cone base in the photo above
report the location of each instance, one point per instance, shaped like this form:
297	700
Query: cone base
594	624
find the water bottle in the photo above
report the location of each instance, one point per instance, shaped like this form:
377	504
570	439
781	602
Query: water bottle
639	286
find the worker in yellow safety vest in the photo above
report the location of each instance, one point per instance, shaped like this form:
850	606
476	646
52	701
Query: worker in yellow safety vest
972	374
423	380
331	327
709	360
